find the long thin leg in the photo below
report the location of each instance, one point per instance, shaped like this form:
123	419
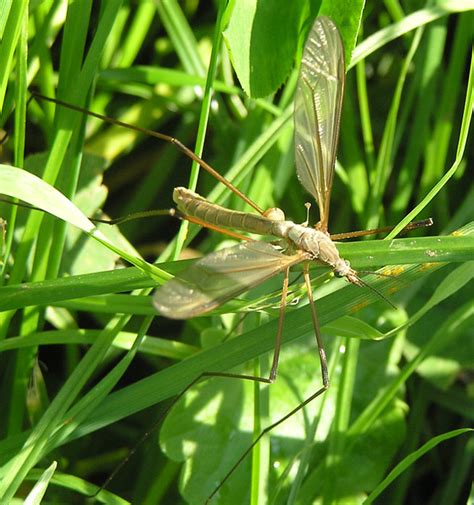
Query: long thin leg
119	220
362	233
209	226
205	375
281	318
167	138
317	331
276	352
320	391
142	215
145	436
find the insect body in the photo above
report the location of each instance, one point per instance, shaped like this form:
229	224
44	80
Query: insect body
318	106
224	274
309	243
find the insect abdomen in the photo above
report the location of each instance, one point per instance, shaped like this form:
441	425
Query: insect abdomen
192	204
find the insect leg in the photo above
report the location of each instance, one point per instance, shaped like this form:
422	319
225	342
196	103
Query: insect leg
321	390
209	226
317	331
362	233
206	375
281	317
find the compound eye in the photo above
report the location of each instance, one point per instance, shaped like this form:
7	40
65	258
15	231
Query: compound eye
338	274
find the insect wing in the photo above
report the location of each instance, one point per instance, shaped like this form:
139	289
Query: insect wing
318	104
220	276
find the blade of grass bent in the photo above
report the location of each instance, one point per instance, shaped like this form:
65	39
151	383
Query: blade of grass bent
411	459
465	125
234	352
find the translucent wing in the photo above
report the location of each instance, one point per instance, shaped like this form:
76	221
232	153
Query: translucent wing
220	276
318	104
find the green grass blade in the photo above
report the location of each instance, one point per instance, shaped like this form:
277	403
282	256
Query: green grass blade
411	459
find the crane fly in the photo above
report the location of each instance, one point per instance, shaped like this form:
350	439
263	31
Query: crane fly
223	275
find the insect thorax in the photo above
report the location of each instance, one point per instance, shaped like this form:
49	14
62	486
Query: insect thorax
316	243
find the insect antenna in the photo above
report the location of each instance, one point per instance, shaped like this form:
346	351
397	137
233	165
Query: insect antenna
375	290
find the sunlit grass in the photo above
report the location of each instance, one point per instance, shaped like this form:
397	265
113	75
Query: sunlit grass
402	144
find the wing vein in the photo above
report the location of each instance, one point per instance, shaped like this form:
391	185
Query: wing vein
318	104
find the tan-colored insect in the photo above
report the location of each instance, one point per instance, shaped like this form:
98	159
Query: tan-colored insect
225	274
222	275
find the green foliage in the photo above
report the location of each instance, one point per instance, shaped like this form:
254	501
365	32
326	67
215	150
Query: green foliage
400	392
